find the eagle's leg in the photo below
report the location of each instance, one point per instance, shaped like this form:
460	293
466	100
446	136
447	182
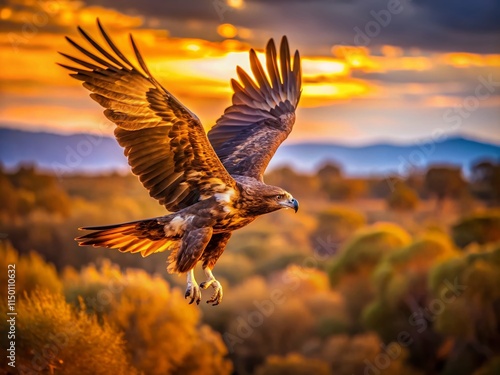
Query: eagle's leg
212	281
193	290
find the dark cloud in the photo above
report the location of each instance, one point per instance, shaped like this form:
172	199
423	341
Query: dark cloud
477	16
315	25
402	23
184	10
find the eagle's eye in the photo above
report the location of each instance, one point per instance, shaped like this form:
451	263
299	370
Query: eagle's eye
279	197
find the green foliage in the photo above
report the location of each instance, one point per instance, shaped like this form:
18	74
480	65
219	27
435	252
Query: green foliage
402	198
364	250
293	364
403	302
31	272
351	272
478	277
480	228
52	337
410	265
439	296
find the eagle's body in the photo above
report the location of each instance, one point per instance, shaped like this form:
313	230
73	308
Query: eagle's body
211	185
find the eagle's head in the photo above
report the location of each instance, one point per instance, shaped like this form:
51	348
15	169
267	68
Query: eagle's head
280	198
268	198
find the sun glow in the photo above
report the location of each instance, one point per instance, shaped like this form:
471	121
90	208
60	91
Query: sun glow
236	4
227	30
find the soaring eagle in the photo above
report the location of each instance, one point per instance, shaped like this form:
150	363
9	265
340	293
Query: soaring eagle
211	185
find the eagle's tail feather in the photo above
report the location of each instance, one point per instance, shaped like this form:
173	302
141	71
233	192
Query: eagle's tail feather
143	236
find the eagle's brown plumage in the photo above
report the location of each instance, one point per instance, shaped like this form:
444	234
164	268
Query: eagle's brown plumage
211	185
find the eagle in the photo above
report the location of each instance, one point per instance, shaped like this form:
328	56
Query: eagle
210	183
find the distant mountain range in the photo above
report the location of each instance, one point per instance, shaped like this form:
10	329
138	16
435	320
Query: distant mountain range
65	154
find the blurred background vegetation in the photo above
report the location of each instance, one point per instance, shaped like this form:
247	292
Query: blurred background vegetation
374	275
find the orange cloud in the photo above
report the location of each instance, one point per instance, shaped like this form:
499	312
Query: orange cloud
467	60
196	70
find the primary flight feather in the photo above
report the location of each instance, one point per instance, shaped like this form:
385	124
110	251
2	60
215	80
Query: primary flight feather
212	184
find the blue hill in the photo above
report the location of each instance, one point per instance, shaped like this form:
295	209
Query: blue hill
64	154
386	158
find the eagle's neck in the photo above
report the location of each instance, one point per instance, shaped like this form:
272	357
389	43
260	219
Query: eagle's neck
251	201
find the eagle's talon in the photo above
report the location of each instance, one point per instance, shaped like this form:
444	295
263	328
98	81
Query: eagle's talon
217	296
214	283
193	290
206	284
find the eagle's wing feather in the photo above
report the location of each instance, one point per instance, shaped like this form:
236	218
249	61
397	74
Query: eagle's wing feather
165	143
262	113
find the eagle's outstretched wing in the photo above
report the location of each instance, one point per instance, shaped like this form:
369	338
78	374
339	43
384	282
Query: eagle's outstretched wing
262	115
164	142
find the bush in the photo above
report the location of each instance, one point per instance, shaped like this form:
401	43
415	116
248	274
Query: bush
31	271
473	313
293	364
27	189
161	330
351	271
492	367
366	248
335	225
402	198
480	228
403	293
52	337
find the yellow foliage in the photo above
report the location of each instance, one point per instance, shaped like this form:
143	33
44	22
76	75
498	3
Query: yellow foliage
161	330
365	354
52	337
31	271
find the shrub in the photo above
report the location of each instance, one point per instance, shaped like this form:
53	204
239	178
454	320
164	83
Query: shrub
31	271
480	228
162	332
293	364
335	225
52	337
402	198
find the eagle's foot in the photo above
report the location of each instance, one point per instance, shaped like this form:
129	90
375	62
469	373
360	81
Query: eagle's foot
217	296
193	290
214	283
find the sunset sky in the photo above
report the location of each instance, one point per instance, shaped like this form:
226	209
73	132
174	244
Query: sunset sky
381	70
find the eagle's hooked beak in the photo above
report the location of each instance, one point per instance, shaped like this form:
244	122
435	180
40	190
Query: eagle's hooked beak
292	203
